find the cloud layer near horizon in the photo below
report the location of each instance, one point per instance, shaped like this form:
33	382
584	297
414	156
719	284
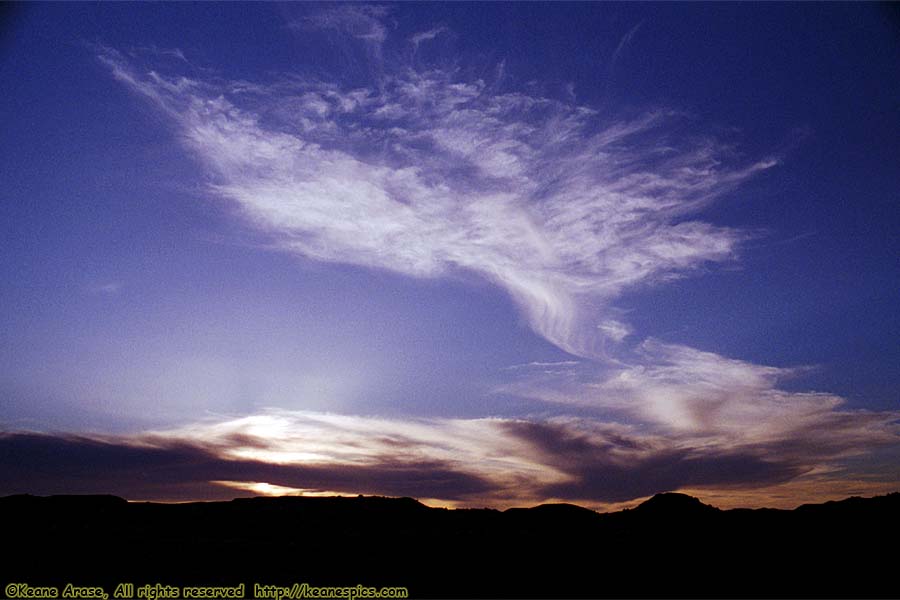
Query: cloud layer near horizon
462	462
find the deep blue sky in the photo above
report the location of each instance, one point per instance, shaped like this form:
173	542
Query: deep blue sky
134	297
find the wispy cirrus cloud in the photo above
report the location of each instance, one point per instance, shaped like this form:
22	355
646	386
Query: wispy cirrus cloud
710	399
427	173
359	21
425	36
620	48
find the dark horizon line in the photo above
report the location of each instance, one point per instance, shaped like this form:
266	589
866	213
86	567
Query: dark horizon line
658	498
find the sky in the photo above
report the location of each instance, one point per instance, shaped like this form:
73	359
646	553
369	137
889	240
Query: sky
488	254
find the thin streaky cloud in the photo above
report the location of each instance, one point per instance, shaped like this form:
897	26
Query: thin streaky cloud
425	36
623	44
684	392
543	364
360	21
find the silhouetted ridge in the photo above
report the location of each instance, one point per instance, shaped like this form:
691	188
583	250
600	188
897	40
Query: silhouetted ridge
671	545
69	500
671	503
550	517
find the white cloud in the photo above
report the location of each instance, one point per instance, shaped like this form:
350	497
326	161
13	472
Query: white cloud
425	36
711	400
360	21
614	329
426	173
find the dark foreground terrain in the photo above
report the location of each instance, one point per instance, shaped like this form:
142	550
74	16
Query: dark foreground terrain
670	546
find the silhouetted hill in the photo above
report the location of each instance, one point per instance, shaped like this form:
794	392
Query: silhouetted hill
670	504
673	545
